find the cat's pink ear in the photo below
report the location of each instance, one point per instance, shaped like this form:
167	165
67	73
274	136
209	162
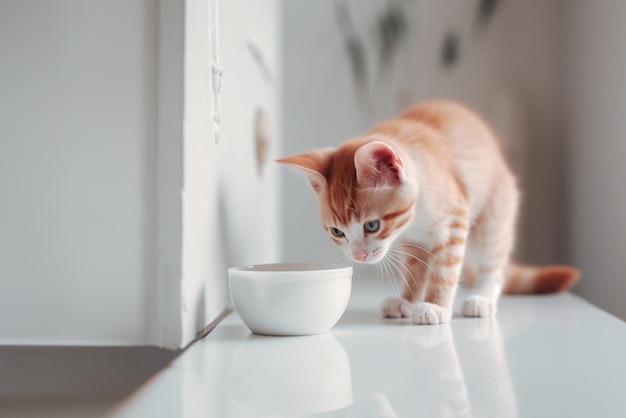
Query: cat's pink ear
313	164
378	165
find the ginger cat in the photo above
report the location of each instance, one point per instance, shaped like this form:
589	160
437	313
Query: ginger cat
431	190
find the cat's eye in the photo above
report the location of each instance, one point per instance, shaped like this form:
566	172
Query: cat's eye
372	226
336	232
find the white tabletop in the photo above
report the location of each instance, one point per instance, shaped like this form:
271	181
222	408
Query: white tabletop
543	356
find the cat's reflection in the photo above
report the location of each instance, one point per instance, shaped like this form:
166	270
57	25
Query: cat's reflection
482	355
445	375
467	375
470	374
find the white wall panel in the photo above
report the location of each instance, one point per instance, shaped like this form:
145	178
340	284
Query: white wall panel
76	187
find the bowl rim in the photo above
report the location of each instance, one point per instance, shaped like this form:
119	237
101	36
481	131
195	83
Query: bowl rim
282	271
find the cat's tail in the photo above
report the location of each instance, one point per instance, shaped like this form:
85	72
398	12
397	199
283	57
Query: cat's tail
523	279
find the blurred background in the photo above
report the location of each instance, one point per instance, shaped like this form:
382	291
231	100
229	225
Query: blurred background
137	141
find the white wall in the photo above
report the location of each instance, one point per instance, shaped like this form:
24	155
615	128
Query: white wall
119	214
595	100
508	72
76	126
229	211
249	199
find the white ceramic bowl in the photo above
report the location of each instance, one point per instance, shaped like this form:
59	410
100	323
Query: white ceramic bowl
290	299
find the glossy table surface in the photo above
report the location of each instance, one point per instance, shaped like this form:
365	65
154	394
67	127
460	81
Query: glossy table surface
541	356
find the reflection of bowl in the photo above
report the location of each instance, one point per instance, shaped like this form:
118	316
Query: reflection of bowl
290	299
288	377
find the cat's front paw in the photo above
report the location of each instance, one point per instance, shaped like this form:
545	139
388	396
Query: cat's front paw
478	306
430	314
397	308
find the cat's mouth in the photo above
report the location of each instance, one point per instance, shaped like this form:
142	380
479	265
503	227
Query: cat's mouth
371	258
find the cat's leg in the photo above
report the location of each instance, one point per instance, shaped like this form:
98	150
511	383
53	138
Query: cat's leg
490	245
443	276
410	260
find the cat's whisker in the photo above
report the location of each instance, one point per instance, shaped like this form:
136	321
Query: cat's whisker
414	257
397	262
420	248
395	268
384	273
392	274
402	253
357	269
393	279
391	253
379	269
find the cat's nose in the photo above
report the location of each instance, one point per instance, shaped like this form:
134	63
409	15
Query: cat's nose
359	255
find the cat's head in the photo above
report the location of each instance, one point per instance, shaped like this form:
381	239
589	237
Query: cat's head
366	195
